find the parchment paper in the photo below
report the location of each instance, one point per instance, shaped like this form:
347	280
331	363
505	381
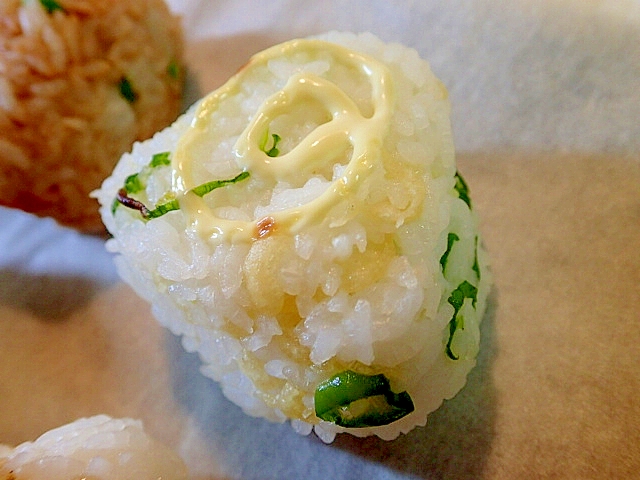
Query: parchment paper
545	112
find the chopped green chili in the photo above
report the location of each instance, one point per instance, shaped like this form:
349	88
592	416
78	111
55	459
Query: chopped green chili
451	239
126	90
463	189
355	400
51	6
273	151
456	299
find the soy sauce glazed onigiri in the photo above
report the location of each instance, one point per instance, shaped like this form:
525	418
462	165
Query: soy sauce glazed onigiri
80	81
304	228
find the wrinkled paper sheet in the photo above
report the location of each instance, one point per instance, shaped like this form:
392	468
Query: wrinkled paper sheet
546	109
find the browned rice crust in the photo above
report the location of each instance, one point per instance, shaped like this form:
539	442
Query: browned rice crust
64	121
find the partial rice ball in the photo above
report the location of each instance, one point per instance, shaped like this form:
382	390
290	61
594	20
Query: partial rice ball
80	81
99	448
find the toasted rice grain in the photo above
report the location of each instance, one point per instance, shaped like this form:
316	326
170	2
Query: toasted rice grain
60	103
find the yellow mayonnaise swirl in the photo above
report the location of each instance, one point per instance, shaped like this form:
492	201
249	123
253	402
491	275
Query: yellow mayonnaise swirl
348	129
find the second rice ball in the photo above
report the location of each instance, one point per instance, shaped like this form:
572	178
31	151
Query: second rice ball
81	80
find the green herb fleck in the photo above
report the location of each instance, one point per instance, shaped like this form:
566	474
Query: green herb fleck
138	182
133	183
51	6
163	208
126	90
463	189
173	69
476	265
160	159
451	239
273	151
202	190
456	299
355	400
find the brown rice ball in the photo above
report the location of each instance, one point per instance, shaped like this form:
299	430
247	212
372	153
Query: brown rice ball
80	81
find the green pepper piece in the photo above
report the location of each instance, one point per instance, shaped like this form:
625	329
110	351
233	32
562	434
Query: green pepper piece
355	400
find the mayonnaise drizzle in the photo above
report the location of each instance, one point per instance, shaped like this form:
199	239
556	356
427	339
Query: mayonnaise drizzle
347	128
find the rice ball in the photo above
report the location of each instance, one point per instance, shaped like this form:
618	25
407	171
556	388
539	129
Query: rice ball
99	447
80	81
307	232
